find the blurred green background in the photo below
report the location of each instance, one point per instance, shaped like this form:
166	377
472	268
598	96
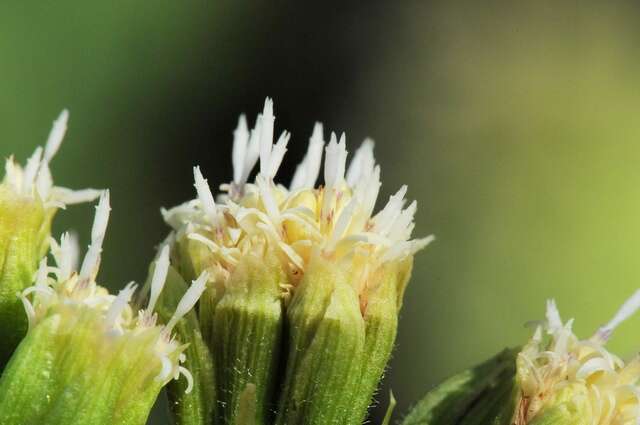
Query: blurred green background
515	124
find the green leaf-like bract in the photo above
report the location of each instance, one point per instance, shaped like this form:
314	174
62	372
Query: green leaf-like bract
69	370
24	238
482	395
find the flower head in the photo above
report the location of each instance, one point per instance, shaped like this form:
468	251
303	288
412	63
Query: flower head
560	375
59	291
339	267
34	180
335	220
28	202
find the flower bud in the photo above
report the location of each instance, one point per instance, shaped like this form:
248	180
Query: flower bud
88	358
28	202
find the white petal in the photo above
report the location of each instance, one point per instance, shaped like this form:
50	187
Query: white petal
184	371
277	154
119	304
335	161
553	315
189	299
239	153
159	278
627	310
205	196
308	170
56	135
266	137
92	258
70	197
44	181
385	218
592	366
33	163
362	163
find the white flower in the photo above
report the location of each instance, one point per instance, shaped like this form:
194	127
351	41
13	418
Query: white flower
336	220
61	286
556	359
34	180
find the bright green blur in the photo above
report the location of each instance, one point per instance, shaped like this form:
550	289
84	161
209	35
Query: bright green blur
516	127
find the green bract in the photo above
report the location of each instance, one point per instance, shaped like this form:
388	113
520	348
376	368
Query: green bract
481	395
24	237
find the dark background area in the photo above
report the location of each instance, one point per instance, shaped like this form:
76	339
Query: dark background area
515	126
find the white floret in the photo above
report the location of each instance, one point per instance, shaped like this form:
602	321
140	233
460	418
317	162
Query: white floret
188	301
92	258
308	170
159	278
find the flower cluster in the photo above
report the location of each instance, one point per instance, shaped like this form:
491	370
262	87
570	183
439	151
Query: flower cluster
335	220
61	291
557	371
318	255
80	354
